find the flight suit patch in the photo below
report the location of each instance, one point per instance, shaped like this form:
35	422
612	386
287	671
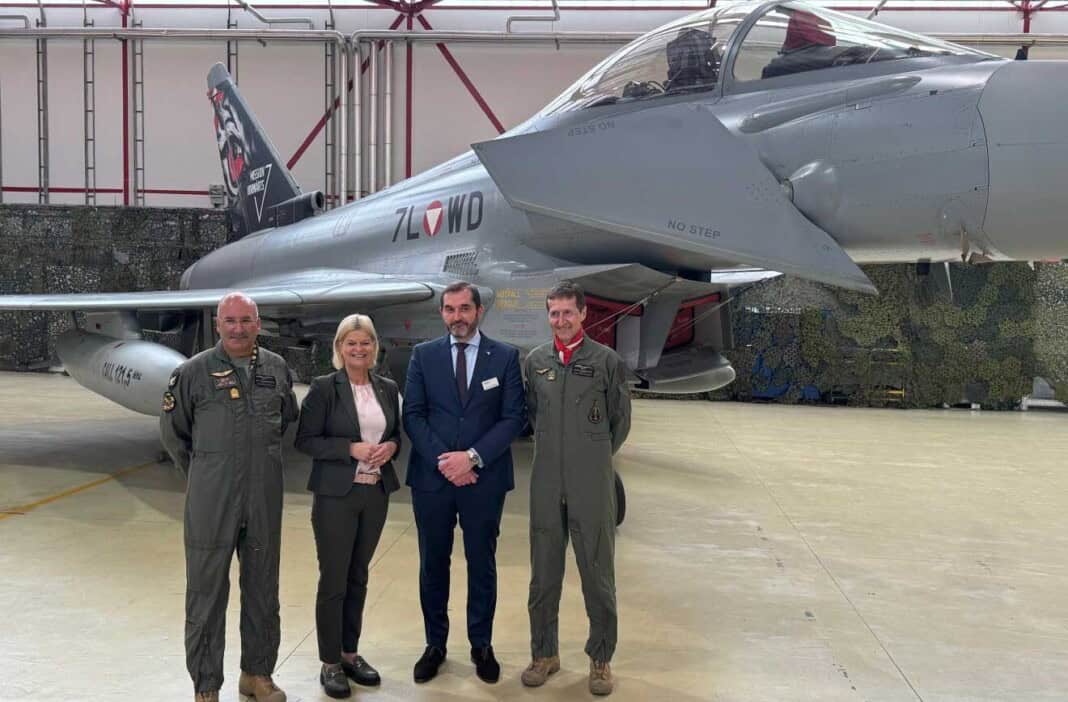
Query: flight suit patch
235	394
584	371
595	415
226	381
174	380
168	401
266	381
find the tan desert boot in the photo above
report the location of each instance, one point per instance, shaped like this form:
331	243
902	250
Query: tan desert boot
600	678
539	671
260	687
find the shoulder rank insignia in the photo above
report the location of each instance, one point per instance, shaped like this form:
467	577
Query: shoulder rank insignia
595	415
168	401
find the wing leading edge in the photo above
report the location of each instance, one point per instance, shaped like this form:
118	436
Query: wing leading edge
367	291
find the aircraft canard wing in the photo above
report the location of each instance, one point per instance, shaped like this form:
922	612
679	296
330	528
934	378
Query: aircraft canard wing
670	176
363	291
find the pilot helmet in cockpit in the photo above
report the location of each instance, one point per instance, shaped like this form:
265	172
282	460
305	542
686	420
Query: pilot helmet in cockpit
691	61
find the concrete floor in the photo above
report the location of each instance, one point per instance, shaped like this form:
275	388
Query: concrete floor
769	553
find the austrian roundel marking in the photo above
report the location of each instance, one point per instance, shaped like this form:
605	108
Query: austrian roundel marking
432	218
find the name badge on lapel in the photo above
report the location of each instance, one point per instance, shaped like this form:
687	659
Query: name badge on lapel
584	371
265	381
490	384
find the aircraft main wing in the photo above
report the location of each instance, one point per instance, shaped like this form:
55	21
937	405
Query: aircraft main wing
671	176
308	288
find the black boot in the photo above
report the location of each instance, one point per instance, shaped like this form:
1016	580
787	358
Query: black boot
427	666
486	666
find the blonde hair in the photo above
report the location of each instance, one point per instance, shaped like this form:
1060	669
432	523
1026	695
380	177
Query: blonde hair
354	322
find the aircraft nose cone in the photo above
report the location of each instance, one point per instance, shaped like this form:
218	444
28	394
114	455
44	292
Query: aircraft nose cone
187	277
1023	107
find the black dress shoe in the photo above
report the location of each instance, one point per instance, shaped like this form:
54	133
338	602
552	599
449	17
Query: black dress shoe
486	666
427	666
361	672
332	678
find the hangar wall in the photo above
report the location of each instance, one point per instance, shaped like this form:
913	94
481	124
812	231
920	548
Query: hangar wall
284	82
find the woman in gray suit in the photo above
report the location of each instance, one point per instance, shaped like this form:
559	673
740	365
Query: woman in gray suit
350	425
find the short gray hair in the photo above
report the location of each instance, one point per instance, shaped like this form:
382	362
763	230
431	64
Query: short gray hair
237	295
354	322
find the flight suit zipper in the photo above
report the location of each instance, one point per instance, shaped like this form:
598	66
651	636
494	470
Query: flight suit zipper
250	417
563	424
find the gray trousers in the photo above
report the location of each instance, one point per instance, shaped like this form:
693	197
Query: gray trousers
594	545
347	530
207	594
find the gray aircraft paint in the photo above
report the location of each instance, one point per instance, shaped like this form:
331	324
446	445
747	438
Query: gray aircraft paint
923	157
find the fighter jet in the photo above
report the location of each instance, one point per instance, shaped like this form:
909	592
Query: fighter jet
776	136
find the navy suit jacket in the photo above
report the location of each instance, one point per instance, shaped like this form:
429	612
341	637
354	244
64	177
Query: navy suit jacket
488	422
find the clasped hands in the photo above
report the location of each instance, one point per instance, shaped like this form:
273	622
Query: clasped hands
375	455
457	468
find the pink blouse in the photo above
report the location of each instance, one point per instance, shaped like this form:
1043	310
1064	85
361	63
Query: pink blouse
372	420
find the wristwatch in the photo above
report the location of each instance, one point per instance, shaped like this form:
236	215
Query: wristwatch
472	455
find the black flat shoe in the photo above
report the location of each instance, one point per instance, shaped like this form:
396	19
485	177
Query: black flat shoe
361	672
332	678
486	666
427	666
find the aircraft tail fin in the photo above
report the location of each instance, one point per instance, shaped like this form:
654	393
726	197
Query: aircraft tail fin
261	191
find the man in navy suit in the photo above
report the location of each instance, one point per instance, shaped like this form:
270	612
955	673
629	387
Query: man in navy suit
464	404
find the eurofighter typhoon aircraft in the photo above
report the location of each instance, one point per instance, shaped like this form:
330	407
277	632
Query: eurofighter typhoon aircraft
772	135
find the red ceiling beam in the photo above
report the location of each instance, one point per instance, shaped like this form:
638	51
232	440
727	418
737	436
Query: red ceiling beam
337	101
465	80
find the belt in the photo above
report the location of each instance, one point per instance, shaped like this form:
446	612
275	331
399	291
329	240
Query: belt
367	478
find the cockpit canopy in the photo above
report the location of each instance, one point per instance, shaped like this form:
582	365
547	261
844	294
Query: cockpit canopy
759	40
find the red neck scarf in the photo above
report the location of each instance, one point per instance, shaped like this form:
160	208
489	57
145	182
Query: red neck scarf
567	350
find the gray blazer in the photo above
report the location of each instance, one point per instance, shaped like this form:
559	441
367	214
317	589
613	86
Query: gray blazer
329	423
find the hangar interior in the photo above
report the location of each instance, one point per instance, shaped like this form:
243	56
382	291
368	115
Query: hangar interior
107	108
769	553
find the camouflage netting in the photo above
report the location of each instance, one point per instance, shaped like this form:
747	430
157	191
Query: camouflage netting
60	249
912	346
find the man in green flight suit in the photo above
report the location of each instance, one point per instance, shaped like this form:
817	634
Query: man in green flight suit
222	423
579	408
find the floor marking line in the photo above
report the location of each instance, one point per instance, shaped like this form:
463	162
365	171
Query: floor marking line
23	509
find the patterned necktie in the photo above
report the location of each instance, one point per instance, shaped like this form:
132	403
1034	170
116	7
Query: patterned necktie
461	371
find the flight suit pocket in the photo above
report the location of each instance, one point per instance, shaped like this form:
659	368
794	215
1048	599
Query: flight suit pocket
213	428
208	500
267	404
